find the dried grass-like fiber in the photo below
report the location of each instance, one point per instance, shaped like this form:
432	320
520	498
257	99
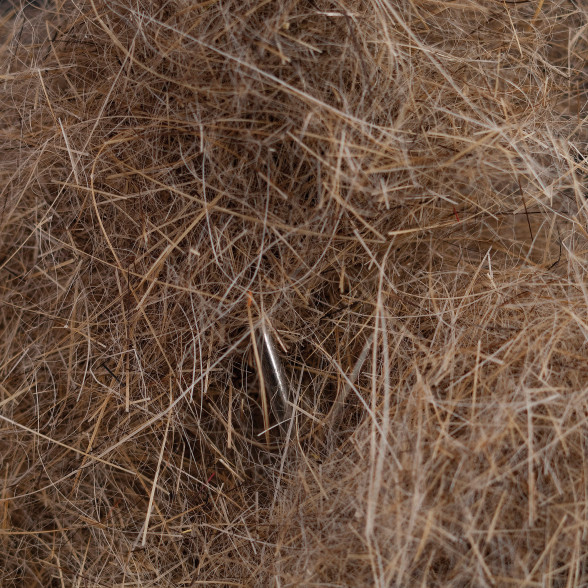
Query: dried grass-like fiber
397	189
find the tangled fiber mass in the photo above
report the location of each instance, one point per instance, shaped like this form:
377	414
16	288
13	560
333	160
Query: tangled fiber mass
396	190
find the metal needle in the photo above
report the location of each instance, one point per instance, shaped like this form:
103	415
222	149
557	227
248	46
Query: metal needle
274	376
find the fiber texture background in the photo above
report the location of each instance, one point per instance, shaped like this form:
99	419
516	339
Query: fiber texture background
397	188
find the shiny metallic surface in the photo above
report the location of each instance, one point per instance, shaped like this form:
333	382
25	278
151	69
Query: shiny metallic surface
275	380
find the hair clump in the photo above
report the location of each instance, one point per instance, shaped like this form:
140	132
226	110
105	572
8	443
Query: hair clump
395	191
